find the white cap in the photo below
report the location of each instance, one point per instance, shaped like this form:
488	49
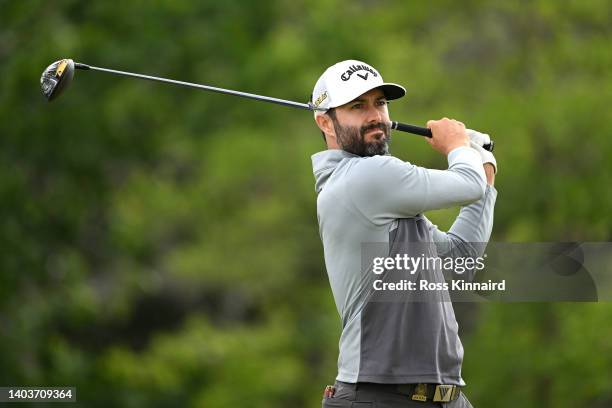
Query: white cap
345	81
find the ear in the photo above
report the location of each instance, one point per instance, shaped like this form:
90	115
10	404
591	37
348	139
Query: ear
326	125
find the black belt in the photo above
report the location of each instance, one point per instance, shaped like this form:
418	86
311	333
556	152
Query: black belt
418	392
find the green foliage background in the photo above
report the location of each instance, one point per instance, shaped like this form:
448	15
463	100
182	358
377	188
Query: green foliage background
160	245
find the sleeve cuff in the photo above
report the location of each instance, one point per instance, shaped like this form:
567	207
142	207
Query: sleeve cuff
491	190
461	154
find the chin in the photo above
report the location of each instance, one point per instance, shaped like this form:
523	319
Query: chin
377	150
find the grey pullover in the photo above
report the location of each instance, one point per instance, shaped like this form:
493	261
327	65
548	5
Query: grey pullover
381	199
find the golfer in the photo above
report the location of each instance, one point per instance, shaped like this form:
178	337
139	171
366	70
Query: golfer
392	354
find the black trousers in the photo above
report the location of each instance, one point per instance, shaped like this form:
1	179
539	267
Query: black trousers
383	396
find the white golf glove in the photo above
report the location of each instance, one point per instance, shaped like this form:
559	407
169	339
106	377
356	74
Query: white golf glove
480	139
485	155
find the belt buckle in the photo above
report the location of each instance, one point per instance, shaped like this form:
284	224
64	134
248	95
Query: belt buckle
420	393
444	393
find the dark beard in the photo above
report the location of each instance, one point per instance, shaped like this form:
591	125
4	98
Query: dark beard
353	141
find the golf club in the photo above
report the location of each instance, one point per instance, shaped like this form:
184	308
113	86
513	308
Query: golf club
56	78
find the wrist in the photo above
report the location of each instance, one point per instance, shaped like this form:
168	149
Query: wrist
489	173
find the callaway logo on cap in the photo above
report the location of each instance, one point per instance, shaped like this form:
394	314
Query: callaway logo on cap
346	80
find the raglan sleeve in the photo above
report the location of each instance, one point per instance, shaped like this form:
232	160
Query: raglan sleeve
471	230
470	233
384	188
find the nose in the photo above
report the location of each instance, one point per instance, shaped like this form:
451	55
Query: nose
374	115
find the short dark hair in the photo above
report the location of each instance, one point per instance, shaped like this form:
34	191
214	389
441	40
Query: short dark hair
332	114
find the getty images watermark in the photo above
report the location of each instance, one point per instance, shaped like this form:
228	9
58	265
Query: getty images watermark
406	271
416	265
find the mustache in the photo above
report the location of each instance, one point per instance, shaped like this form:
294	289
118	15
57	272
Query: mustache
381	126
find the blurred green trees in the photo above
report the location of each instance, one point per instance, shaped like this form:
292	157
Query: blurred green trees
160	245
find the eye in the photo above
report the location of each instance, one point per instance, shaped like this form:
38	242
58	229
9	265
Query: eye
382	102
357	106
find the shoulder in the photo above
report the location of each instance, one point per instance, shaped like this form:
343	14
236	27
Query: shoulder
376	167
370	177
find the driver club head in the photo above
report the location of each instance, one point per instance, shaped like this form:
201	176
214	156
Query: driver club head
56	78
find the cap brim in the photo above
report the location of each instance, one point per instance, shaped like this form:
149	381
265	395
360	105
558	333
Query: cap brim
393	91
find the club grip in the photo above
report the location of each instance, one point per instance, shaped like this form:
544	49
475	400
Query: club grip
418	130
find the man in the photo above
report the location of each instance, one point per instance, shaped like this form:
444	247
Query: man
392	353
